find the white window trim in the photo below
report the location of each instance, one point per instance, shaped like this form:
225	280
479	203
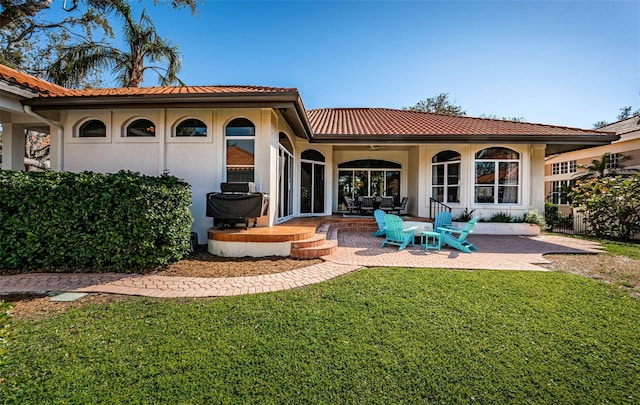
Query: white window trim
496	183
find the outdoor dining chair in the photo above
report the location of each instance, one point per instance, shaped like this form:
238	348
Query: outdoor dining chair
396	233
386	204
402	208
367	204
460	242
351	204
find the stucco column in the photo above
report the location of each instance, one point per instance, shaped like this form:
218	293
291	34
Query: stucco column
13	147
537	178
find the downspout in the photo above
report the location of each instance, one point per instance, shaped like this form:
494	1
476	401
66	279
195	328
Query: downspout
27	110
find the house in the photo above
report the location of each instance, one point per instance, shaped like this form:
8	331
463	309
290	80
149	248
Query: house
561	169
307	160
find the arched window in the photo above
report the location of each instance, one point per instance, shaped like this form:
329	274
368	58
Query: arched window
191	127
497	176
445	177
92	129
240	158
313	155
141	127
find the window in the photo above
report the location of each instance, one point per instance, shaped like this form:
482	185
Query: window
191	127
366	177
613	162
141	127
497	174
240	159
445	177
564	167
559	191
93	129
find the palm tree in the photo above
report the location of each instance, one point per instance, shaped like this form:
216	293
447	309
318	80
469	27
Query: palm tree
605	167
75	63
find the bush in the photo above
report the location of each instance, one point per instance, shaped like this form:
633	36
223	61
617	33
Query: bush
465	216
502	217
533	217
612	205
90	221
552	215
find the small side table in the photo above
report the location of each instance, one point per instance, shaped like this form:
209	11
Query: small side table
430	240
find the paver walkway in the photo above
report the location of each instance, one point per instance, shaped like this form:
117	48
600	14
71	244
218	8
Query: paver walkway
356	250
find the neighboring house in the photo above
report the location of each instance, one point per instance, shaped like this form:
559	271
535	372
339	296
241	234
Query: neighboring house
560	170
306	160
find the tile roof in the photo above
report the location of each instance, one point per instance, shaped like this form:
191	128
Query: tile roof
50	90
383	121
624	126
43	87
173	90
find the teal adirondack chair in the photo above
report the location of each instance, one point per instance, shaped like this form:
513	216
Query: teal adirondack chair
443	220
460	242
379	216
396	233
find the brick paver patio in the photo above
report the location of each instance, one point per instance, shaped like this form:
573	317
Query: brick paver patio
356	250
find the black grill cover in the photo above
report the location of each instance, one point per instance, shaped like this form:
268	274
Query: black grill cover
229	206
237	187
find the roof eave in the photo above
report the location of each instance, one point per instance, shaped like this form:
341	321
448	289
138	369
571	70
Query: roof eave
288	103
555	143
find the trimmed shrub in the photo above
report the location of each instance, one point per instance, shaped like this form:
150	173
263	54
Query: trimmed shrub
90	221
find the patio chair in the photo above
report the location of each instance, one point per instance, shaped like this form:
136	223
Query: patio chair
386	204
379	216
460	242
402	208
443	220
351	204
367	204
396	233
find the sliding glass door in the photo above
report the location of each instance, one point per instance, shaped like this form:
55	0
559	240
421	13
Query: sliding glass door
359	178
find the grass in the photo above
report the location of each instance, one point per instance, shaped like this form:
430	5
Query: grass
628	249
384	335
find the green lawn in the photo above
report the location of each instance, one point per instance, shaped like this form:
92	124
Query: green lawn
384	335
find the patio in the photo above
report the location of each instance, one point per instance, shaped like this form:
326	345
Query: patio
357	250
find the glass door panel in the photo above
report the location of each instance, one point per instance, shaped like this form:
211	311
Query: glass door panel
306	184
345	187
318	189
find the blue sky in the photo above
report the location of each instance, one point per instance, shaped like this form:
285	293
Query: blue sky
558	62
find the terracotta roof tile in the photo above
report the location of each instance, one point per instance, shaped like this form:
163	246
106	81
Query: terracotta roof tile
40	86
238	156
383	121
168	90
50	90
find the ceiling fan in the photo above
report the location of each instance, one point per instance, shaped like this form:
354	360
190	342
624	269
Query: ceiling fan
376	147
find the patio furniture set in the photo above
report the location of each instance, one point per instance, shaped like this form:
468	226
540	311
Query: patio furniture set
368	204
444	233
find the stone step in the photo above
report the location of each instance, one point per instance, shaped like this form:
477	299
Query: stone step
316	240
326	248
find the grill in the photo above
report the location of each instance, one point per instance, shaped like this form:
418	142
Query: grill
237	203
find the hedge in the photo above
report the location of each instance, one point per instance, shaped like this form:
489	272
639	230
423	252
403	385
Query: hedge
90	221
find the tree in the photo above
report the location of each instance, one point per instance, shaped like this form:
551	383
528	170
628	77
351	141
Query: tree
77	62
605	167
495	117
625	112
30	40
439	104
600	124
13	10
